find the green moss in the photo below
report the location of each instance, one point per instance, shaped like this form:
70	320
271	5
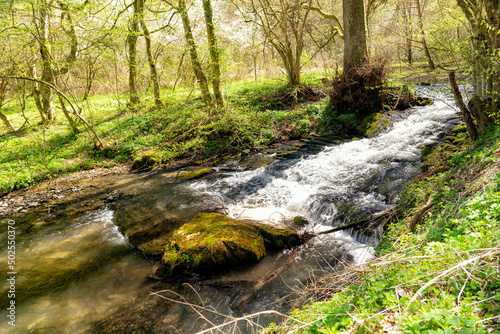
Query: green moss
460	128
146	160
374	124
277	237
193	174
453	140
213	240
301	221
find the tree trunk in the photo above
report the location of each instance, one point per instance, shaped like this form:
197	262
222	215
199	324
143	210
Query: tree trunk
214	53
432	66
50	69
355	50
471	127
149	53
6	121
47	74
71	122
193	53
4	84
133	33
38	102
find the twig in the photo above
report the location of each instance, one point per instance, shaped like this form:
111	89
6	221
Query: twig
448	271
247	318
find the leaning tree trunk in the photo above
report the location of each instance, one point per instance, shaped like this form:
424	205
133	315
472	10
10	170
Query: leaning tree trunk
214	53
198	71
469	123
133	34
3	93
6	121
355	49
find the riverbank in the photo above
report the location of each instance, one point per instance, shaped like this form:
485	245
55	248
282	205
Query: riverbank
260	113
180	132
437	268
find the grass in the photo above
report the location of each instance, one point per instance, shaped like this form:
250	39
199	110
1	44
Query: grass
181	130
442	277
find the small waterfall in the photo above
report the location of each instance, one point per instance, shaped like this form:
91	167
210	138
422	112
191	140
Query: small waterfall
341	184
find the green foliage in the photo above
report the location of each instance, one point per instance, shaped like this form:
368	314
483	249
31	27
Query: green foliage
338	123
179	130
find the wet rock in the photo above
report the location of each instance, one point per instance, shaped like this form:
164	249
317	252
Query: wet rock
374	124
278	238
184	175
300	221
211	240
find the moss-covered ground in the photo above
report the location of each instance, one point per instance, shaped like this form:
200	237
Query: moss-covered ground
181	130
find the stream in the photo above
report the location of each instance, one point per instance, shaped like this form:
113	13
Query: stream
81	276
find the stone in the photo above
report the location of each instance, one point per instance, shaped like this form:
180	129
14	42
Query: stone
211	240
146	160
278	238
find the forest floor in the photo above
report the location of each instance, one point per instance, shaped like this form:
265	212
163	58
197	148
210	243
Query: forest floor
259	113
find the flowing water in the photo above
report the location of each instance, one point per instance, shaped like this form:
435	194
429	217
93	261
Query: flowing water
80	275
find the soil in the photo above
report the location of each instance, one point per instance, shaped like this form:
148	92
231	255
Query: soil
65	195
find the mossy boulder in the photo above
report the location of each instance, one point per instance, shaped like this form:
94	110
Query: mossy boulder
374	124
211	240
146	160
278	238
184	175
300	221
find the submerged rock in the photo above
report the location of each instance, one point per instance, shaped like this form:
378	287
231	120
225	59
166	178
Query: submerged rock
184	175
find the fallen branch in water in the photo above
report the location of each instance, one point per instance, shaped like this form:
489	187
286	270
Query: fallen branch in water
363	222
257	286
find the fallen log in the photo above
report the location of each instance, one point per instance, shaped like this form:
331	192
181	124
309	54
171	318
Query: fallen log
364	222
259	284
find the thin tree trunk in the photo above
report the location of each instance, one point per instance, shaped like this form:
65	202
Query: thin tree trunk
133	33
149	53
471	127
71	122
6	121
38	102
198	71
47	74
432	66
4	84
214	53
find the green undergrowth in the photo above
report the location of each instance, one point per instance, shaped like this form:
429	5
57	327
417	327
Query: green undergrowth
181	130
441	277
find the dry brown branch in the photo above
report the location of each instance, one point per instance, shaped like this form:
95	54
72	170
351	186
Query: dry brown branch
418	216
450	270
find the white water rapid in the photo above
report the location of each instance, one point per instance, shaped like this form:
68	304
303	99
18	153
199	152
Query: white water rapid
341	184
